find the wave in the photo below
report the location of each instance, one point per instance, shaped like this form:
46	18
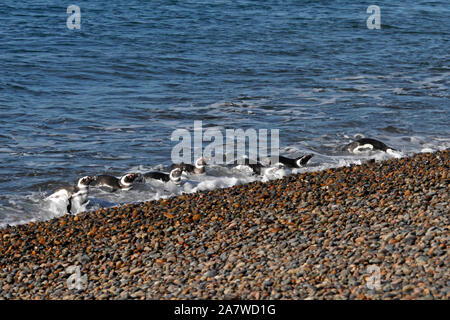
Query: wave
35	207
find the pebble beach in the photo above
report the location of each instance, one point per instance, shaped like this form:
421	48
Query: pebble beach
313	235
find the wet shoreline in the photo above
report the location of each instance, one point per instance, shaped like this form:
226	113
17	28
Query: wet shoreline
307	236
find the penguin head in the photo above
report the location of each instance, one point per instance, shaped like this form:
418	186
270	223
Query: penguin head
129	178
86	181
175	175
200	163
303	160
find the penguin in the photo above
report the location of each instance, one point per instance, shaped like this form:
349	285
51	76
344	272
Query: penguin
197	168
114	184
298	162
256	166
365	145
74	194
174	175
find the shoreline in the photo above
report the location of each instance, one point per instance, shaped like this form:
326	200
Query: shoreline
307	236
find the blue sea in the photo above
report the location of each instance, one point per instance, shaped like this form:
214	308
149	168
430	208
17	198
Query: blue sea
106	98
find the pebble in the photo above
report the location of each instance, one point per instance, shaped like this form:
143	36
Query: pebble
307	236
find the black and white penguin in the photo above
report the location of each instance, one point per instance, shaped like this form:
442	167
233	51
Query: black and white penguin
298	162
74	194
255	166
174	175
365	145
114	184
198	168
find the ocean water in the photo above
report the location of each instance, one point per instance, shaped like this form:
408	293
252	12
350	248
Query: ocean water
107	97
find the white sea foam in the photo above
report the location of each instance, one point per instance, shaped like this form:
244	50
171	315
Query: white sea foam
35	206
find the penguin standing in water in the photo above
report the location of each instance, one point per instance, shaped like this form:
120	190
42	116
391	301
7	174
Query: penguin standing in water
197	168
365	145
74	195
113	184
174	176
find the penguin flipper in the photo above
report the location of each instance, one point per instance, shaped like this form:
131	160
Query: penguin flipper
69	206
